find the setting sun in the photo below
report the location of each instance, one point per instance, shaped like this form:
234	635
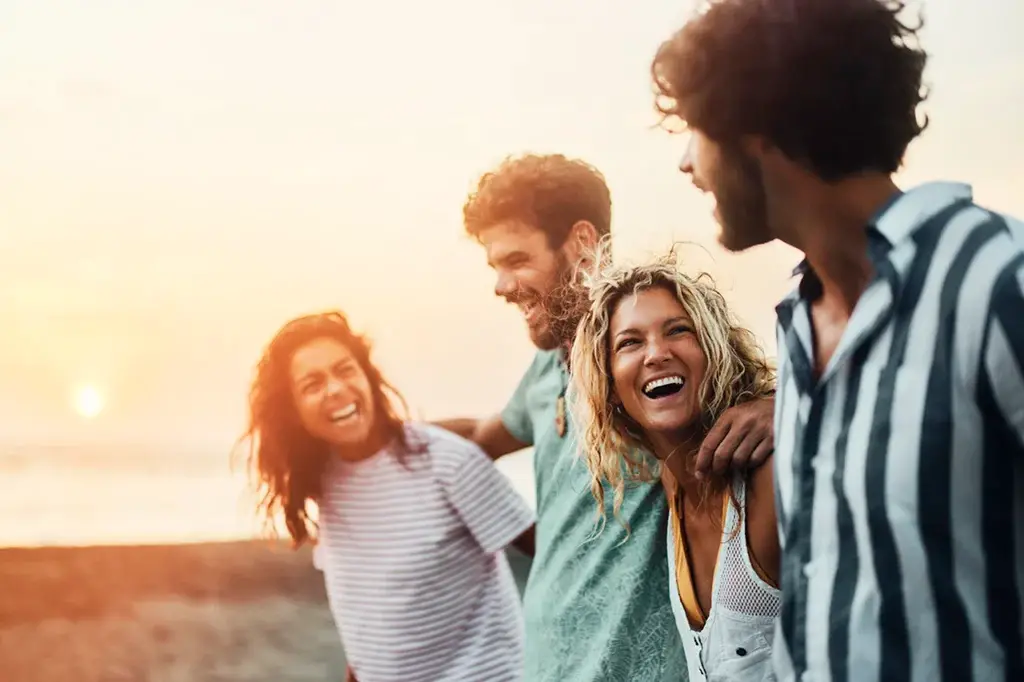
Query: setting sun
88	402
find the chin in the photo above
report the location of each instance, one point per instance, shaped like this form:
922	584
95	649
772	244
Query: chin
736	242
543	339
680	429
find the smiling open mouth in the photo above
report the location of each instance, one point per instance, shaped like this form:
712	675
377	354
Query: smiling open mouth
344	414
664	387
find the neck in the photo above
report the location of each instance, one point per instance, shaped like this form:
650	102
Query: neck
350	452
828	225
676	453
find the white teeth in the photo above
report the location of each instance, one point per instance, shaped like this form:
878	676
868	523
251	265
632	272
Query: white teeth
664	381
344	413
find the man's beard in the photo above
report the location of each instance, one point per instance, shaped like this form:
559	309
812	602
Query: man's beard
564	304
742	202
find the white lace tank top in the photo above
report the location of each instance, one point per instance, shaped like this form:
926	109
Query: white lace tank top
735	644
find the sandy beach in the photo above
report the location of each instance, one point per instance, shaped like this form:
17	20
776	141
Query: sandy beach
211	612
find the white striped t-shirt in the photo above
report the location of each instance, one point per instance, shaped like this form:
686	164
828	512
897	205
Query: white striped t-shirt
414	565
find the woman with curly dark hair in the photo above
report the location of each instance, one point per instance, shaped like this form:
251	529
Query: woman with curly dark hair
412	520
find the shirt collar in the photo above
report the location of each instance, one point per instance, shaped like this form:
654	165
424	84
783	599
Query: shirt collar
897	220
907	212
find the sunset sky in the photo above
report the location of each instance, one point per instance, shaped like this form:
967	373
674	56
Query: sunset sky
179	177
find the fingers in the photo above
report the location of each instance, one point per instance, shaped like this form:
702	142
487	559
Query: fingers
706	454
741	438
741	454
762	452
733	451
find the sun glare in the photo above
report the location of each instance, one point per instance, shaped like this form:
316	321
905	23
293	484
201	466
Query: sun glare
88	402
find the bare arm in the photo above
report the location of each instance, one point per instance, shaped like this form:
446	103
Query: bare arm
490	434
762	527
460	427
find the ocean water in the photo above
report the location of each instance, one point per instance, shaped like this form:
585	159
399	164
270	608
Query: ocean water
113	494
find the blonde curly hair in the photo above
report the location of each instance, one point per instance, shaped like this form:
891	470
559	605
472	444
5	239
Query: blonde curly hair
613	446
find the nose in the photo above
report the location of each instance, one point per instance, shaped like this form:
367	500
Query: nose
334	387
657	353
686	163
505	285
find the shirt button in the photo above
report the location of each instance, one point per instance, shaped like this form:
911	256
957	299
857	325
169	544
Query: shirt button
741	652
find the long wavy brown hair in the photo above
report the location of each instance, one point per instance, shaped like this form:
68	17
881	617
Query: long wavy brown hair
286	463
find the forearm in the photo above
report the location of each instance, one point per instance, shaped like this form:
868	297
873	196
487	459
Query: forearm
461	427
490	434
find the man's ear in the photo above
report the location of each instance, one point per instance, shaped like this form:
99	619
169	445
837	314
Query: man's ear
778	171
755	146
764	152
582	241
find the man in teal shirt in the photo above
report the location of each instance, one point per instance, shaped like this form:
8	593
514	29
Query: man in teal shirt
597	601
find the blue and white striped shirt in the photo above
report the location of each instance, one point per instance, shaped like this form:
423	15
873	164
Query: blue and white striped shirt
900	471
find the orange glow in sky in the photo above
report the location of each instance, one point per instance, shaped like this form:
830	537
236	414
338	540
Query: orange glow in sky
88	402
179	178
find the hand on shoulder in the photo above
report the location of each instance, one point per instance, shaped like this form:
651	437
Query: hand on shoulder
742	438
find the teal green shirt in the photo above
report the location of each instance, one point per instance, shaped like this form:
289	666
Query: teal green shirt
597	605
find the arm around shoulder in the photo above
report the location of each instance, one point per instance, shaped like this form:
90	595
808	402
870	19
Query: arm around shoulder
504	433
490	434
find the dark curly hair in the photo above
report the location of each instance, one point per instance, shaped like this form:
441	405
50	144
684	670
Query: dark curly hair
287	462
551	192
834	85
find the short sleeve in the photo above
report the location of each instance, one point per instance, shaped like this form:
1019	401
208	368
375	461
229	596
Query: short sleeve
516	415
485	500
1003	351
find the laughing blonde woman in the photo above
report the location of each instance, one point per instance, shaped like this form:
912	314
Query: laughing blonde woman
657	358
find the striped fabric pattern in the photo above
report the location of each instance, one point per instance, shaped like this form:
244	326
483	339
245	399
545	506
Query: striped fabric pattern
414	565
900	471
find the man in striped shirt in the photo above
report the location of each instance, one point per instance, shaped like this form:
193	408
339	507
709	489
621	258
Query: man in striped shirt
900	414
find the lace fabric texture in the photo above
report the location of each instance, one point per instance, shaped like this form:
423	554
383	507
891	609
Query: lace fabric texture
735	642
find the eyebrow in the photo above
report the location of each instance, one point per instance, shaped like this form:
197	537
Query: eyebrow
671	320
312	374
505	257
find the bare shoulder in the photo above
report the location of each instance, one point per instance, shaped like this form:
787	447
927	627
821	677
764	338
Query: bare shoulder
761	484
